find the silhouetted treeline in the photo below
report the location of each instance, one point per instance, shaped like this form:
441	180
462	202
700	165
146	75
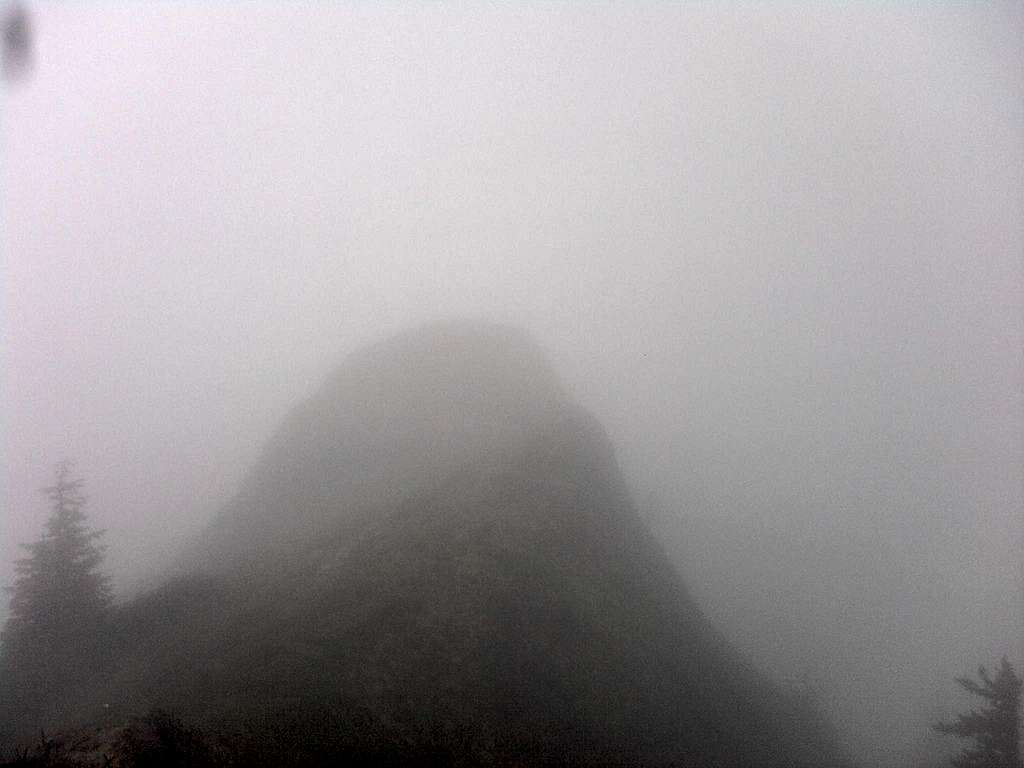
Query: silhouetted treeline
343	733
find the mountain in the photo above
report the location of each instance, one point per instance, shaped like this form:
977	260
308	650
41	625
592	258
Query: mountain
436	557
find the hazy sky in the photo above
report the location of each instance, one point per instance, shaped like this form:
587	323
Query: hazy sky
778	249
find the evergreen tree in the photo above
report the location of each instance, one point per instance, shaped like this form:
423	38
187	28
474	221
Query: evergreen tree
59	590
995	729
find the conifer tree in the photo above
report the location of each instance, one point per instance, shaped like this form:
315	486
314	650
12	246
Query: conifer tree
994	729
53	639
59	590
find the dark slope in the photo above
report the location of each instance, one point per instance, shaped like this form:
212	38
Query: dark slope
503	595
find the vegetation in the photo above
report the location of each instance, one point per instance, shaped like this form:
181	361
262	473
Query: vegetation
46	753
59	587
993	730
59	603
302	736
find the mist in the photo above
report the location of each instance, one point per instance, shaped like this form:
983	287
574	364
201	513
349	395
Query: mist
775	249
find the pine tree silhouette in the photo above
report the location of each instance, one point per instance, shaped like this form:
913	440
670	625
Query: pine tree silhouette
995	729
59	602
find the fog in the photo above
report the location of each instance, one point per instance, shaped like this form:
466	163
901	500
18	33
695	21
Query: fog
776	249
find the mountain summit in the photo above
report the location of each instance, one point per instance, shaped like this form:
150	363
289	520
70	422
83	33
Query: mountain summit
395	418
439	544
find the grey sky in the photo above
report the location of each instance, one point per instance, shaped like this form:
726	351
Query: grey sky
777	249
